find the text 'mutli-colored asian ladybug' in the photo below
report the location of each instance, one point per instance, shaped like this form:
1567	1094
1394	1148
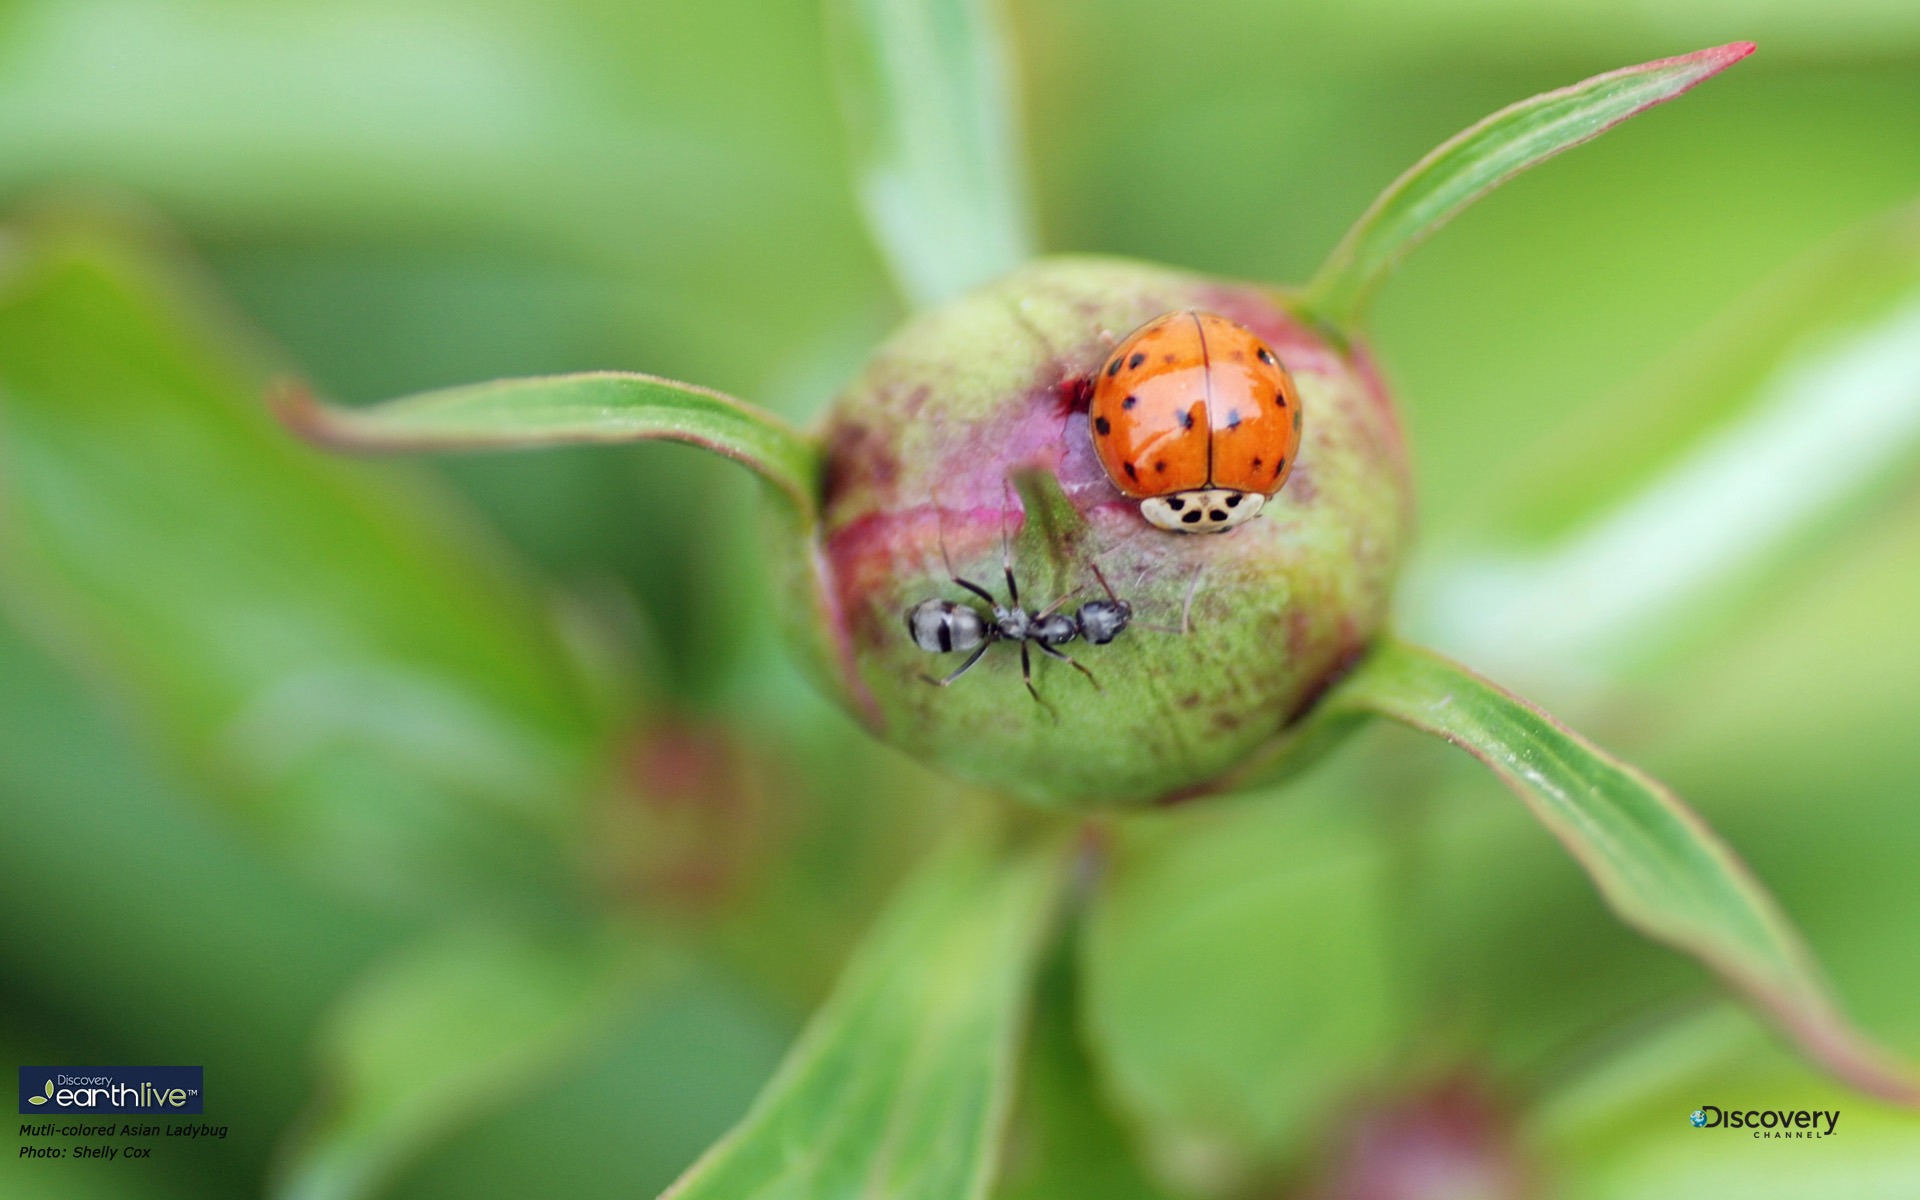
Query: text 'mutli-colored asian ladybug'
1194	417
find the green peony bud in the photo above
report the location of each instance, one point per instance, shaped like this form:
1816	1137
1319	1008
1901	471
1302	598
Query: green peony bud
1233	635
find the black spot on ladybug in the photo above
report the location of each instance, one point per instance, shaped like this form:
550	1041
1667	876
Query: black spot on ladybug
1131	473
1266	356
1258	462
1169	359
1176	503
1133	364
1233	418
1100	423
1281	465
1129	402
1233	501
1280	398
1186	418
1192	518
1296	420
1160	465
1217	515
1113	368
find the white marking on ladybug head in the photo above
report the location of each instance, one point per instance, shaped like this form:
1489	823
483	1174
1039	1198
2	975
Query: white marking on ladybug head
1204	510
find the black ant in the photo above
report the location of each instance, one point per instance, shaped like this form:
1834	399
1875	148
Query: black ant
942	626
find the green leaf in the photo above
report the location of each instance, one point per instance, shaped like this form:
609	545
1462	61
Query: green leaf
1648	520
932	114
1240	973
900	1085
1053	530
1655	862
1065	1139
1482	157
1616	1126
598	408
331	650
434	1039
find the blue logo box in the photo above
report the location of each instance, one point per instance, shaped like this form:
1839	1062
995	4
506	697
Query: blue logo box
154	1091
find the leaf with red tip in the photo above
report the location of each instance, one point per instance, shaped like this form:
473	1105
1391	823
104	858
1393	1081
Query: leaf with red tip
1656	863
1486	155
601	407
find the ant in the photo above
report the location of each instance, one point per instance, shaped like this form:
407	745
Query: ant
942	626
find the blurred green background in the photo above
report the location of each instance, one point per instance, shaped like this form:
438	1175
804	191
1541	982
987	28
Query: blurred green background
294	751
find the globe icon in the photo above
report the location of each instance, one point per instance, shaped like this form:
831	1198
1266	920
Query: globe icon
1699	1118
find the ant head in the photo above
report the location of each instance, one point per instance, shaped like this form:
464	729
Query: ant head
1101	621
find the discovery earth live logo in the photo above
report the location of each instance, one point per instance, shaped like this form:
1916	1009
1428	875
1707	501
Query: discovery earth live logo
1769	1122
153	1090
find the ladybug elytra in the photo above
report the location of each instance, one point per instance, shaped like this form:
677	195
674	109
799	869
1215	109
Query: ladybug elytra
1194	417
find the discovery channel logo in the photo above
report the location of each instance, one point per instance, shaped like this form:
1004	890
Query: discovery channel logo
153	1090
1769	1122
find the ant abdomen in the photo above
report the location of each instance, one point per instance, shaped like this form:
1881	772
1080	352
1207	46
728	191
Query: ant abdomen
942	626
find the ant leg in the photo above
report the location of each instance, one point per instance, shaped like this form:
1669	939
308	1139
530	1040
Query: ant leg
1006	551
977	590
946	561
1055	606
961	669
1046	649
1026	676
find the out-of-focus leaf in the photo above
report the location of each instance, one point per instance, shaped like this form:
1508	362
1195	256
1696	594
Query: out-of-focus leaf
1065	1141
597	408
1239	980
1486	155
1802	403
436	1038
1656	864
901	1083
1618	1128
333	650
932	114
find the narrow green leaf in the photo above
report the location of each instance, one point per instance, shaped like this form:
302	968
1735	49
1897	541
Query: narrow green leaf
1052	530
931	111
900	1085
1484	156
1655	862
1777	423
437	1037
333	651
598	408
1066	1141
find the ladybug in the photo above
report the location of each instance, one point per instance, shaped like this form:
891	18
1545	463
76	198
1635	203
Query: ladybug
1194	417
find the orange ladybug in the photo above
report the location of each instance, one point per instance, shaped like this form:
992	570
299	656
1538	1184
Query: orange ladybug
1194	417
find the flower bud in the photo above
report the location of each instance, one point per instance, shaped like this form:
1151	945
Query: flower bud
1231	636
